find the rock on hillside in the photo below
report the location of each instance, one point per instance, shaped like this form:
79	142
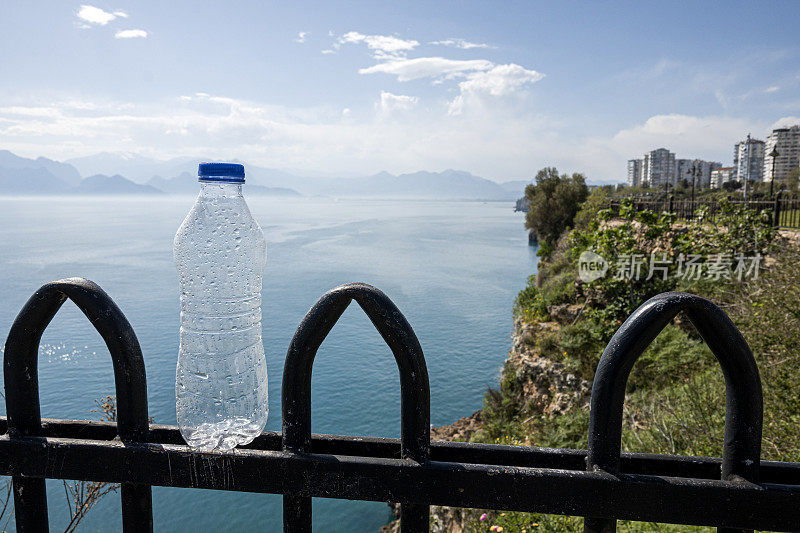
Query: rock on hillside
547	388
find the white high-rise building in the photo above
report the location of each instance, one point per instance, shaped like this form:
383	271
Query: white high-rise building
683	171
658	168
634	172
748	159
787	142
721	175
701	169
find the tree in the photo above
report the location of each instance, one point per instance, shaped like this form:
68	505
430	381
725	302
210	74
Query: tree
732	185
792	180
553	202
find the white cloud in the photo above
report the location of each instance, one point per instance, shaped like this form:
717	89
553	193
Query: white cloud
383	46
397	134
396	102
684	134
121	14
481	77
489	142
706	137
95	15
772	89
131	34
32	111
426	67
301	37
460	43
328	51
786	122
500	80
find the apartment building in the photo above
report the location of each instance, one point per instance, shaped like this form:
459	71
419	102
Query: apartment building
722	175
748	159
787	142
702	171
658	168
634	172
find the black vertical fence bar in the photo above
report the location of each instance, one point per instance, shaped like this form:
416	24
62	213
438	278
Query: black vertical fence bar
743	415
787	212
22	391
414	390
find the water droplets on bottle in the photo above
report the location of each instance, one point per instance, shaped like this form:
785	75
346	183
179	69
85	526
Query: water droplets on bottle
221	377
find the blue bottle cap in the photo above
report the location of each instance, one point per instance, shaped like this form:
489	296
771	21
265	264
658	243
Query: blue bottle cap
228	172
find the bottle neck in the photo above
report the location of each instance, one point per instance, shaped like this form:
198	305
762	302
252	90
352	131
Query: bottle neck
220	189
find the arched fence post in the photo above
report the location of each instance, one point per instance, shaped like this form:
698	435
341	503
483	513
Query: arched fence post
743	415
22	391
414	390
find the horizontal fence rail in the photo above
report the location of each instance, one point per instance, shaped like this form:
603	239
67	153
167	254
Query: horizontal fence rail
738	491
784	210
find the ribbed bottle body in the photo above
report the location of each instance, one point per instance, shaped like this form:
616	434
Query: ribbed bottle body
221	378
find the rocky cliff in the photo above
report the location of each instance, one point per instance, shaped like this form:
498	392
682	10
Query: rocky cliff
546	388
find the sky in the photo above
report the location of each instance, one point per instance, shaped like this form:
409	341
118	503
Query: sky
499	89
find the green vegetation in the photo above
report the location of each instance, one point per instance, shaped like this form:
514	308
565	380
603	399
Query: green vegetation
731	189
553	202
676	395
792	180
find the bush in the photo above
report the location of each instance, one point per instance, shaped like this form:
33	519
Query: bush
502	407
587	216
528	304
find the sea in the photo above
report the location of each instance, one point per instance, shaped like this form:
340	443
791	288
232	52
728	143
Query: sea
452	267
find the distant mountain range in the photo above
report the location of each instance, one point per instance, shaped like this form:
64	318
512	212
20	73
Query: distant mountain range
122	174
186	183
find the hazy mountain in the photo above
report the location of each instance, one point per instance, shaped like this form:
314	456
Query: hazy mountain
116	184
178	176
260	190
24	181
186	183
64	172
447	184
135	167
516	186
151	171
452	184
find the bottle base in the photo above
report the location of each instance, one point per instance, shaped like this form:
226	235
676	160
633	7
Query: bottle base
222	436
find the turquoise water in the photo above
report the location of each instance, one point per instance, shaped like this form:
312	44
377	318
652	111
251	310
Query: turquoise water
453	268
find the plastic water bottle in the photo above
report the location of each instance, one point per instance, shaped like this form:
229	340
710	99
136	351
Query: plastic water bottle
220	252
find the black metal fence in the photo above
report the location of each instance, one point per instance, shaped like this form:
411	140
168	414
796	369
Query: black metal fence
737	491
784	209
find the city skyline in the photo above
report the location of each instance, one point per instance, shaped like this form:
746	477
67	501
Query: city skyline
753	160
353	91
